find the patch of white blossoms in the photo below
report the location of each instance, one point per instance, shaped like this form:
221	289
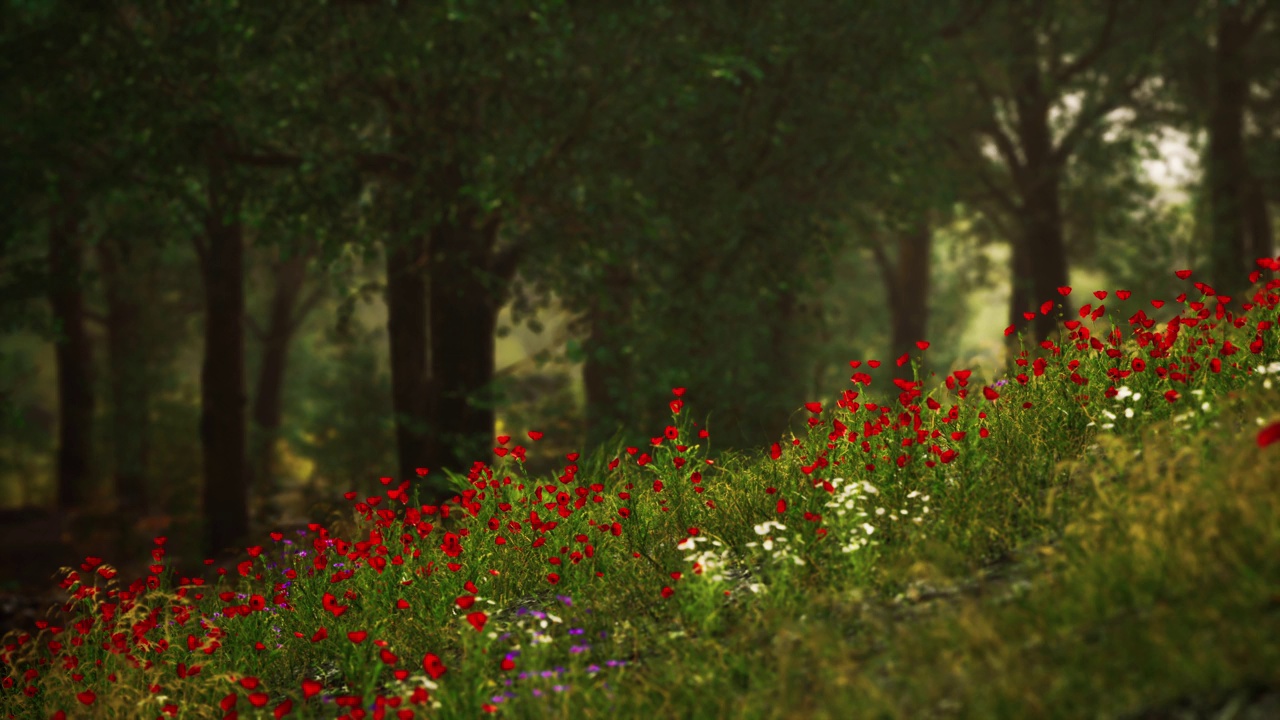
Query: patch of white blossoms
778	546
850	502
716	565
1122	394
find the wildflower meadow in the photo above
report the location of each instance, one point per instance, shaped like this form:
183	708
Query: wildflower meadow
1097	534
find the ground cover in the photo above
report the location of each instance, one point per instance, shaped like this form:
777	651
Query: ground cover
1097	535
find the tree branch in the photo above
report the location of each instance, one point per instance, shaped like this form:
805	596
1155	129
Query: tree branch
386	165
1088	119
505	263
305	308
1111	100
960	25
994	190
1086	60
1004	144
269	159
1254	22
990	126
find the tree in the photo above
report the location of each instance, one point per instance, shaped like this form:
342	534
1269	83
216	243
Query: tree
286	313
1217	53
461	159
74	353
128	361
1241	228
741	118
55	164
1034	56
199	96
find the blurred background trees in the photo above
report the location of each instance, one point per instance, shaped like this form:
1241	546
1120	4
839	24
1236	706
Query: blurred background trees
253	256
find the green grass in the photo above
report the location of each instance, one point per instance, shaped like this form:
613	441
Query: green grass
1098	536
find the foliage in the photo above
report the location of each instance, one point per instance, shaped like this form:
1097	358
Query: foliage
738	115
734	165
1035	530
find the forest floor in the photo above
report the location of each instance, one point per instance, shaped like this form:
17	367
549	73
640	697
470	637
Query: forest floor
37	545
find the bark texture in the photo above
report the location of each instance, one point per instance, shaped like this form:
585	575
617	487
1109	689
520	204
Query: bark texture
130	382
1227	166
222	386
410	380
909	296
73	351
463	311
1040	192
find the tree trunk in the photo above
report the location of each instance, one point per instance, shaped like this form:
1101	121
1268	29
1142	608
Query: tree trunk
759	423
605	369
909	298
1047	254
1021	283
1226	166
73	352
222	387
1044	250
269	398
410	385
1261	242
130	382
463	314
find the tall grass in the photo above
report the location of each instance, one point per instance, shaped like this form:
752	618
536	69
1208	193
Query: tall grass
1095	536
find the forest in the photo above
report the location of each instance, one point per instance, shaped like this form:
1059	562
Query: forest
254	255
249	245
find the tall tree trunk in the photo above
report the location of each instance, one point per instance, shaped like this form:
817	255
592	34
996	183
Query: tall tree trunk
605	367
1227	166
464	315
73	352
1048	259
909	297
1261	242
222	387
130	382
1041	223
1021	290
268	400
410	383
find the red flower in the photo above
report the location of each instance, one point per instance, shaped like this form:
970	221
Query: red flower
1269	434
451	545
432	665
